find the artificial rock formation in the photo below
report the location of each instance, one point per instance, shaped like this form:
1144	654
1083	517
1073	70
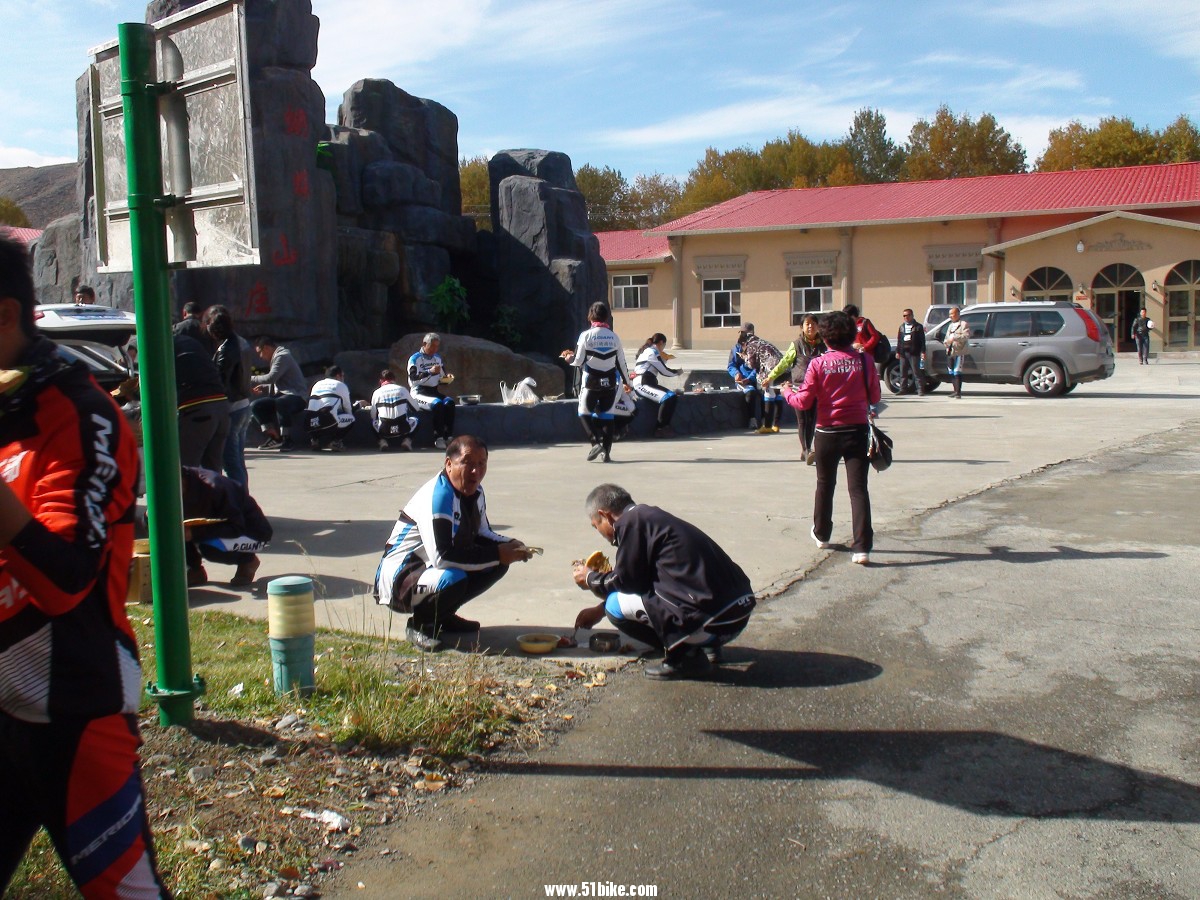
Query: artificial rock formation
394	159
548	261
479	366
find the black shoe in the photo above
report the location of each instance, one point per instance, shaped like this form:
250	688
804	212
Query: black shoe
714	654
314	444
594	452
286	446
605	457
423	637
691	665
458	625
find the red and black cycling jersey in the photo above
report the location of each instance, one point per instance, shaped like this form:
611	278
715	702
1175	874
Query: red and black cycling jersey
66	646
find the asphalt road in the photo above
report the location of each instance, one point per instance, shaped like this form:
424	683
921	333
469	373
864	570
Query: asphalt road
1003	705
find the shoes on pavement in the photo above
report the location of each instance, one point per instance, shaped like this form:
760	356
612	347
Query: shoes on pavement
337	447
693	664
766	429
246	570
270	444
423	637
458	625
383	445
753	424
440	443
594	452
314	444
774	429
823	545
714	654
604	456
197	577
406	444
861	558
286	446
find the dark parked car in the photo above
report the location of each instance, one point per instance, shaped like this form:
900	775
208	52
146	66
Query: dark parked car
1049	346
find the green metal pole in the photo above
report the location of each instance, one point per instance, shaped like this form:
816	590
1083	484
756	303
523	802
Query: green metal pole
156	362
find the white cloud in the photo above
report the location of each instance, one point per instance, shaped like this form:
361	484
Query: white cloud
1170	27
16	157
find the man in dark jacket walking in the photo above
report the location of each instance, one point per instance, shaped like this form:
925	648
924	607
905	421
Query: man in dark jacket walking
671	586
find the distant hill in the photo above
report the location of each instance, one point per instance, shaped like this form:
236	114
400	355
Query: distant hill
44	193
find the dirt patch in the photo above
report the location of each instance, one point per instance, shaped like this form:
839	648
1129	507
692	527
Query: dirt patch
265	808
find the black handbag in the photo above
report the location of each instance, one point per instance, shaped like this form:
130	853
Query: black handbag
879	445
879	448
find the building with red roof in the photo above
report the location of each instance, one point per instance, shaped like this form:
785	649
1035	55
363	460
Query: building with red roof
1112	239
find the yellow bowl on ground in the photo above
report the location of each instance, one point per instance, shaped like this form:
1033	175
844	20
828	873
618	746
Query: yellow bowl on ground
537	643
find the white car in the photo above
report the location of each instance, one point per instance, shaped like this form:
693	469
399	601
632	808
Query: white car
86	322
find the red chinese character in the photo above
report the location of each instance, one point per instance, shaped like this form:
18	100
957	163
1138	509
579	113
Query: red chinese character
300	183
285	255
257	302
295	121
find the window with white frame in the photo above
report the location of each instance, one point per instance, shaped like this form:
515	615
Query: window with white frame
722	303
956	287
631	292
810	294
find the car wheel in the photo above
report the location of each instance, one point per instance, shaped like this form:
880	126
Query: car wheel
891	375
1045	378
1070	387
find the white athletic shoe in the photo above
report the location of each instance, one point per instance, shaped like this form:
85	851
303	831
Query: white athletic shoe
861	559
440	443
823	545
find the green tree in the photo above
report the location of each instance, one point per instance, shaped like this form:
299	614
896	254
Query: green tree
651	199
606	192
12	214
1180	141
1119	142
476	191
449	302
950	147
875	156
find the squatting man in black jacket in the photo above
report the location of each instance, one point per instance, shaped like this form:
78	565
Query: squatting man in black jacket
671	586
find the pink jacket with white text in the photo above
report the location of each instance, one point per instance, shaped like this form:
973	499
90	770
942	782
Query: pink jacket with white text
834	382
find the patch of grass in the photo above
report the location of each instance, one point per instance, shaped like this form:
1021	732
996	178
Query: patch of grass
379	696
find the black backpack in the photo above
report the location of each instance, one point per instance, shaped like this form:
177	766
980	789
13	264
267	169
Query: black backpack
883	350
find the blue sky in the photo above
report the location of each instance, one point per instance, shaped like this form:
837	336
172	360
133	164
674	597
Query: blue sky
646	86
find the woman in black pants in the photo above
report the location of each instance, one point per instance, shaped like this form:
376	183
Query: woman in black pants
843	385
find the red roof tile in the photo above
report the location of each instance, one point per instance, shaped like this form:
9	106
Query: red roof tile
26	235
1090	190
630	246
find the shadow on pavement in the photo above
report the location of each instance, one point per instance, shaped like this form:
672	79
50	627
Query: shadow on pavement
1006	555
755	668
983	772
986	772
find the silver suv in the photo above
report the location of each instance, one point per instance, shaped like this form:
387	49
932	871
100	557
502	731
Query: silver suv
1049	346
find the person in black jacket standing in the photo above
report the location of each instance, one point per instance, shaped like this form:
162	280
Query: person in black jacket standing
671	586
910	353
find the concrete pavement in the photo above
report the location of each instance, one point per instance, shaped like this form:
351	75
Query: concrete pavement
333	512
1003	705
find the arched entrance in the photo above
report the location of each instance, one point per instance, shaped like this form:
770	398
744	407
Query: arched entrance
1118	290
1047	283
1181	330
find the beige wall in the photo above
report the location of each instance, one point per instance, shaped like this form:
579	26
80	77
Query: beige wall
633	326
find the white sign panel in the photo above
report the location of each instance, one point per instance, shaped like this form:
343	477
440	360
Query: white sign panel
207	157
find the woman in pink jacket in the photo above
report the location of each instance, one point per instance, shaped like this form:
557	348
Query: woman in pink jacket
843	386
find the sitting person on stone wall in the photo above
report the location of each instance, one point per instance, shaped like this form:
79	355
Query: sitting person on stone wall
283	390
391	412
330	411
442	551
236	531
426	372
